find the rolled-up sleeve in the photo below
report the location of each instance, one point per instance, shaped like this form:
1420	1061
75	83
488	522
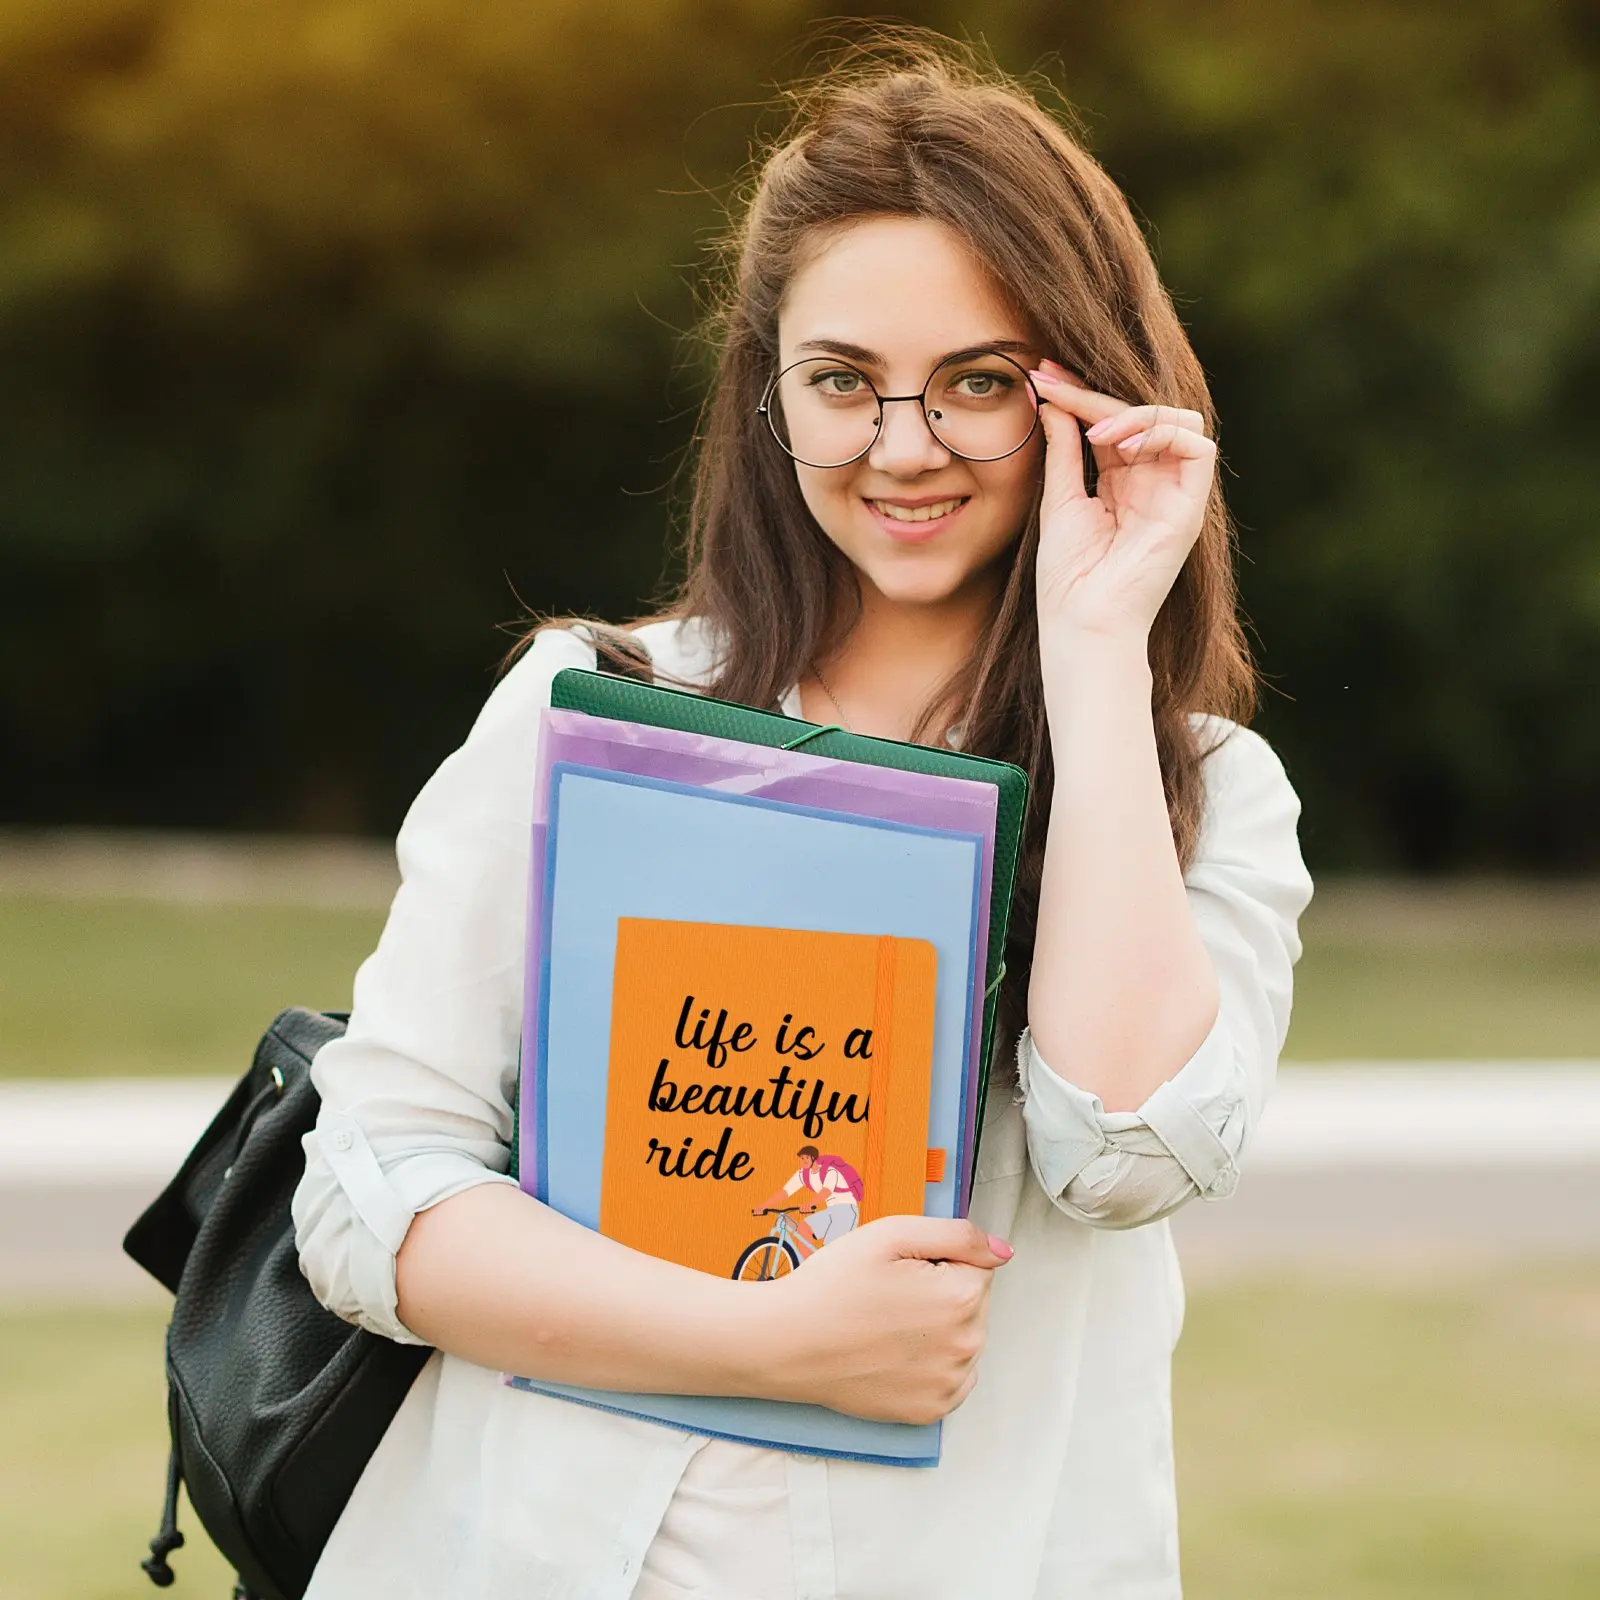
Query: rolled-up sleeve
417	1095
1247	888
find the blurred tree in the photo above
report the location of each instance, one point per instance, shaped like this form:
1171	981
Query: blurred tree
326	330
324	324
1383	223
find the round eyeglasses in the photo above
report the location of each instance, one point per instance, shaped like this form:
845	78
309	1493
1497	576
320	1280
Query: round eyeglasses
979	405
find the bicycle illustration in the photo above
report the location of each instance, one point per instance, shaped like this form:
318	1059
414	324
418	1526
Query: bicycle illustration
781	1251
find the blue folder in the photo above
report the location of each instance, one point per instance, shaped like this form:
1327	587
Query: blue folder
622	846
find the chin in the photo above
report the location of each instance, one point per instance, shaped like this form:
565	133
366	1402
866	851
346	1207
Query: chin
949	567
903	585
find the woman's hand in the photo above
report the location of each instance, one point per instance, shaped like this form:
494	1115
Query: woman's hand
888	1322
1106	561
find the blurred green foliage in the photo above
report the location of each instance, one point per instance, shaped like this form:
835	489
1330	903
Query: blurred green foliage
329	328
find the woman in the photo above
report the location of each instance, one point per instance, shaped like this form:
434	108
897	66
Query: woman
924	251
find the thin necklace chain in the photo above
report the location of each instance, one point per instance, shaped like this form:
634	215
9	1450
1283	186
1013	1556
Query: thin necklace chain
844	721
952	736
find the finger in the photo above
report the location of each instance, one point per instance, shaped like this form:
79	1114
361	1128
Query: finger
968	1383
1168	440
1063	455
939	1239
1054	383
1140	419
1108	418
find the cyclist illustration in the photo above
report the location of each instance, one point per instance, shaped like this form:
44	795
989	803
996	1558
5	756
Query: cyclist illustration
832	1200
834	1189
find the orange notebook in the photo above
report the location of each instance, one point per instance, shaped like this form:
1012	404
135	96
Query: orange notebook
755	1071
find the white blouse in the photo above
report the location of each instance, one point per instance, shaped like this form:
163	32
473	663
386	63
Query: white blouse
1057	1475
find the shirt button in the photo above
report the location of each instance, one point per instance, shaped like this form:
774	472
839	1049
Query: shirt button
341	1140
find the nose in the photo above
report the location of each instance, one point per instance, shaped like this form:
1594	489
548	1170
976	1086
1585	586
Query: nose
905	446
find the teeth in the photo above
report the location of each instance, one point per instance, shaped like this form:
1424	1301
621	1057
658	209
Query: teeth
918	513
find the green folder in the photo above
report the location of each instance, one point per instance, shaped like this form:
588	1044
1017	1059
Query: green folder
621	699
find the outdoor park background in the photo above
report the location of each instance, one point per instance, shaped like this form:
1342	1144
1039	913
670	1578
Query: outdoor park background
334	333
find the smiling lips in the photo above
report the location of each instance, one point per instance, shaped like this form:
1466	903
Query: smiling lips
915	522
917	513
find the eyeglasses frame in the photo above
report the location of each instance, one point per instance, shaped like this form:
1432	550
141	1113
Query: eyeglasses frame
765	407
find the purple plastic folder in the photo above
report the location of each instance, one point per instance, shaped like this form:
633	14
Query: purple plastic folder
733	767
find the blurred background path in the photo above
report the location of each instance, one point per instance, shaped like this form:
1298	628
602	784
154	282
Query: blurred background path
1374	1164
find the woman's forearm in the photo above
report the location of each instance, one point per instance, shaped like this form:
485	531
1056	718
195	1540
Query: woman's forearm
887	1323
495	1277
1122	991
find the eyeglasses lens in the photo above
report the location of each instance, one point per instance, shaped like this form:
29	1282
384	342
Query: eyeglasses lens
825	413
980	406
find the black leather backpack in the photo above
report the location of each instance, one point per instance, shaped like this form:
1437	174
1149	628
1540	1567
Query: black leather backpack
274	1403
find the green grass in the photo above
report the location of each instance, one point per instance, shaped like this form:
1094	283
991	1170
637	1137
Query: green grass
103	987
1375	1000
1335	1442
107	987
83	1460
1342	1443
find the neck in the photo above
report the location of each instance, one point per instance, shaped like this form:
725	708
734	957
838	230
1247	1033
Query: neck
897	656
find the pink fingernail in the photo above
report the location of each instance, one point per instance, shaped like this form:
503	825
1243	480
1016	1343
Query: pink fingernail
1001	1248
1098	431
1040	376
1133	443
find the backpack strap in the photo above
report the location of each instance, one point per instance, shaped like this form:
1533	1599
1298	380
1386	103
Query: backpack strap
846	1173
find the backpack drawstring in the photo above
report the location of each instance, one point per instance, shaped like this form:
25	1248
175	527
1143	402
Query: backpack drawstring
168	1539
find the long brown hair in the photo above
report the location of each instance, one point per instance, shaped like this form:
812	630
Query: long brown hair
909	124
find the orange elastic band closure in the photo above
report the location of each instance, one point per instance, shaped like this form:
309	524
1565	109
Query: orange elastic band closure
936	1166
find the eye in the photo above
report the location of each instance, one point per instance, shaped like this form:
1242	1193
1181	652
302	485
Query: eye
983	385
842	382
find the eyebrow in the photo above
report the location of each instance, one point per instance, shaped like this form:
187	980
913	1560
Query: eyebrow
870	358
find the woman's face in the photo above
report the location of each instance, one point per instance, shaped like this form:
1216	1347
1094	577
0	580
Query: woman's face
894	296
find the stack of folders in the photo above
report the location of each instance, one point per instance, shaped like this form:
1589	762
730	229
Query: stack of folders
763	960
